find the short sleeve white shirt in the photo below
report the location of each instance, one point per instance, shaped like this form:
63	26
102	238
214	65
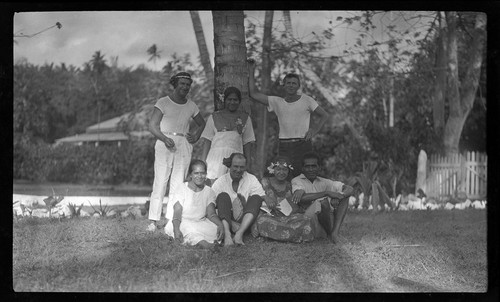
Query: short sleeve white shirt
247	134
249	185
176	117
293	118
319	184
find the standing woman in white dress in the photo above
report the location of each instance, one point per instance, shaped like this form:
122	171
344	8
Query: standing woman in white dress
192	219
227	131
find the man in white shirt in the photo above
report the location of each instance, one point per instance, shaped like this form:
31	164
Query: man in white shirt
325	201
170	125
294	117
239	198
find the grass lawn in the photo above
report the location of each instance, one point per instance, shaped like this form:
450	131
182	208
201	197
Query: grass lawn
411	251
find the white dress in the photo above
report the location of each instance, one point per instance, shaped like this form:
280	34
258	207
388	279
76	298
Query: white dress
224	143
194	225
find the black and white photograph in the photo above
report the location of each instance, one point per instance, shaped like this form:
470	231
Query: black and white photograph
255	151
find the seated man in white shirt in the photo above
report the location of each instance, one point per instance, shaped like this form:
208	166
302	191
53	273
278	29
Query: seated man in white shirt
239	198
325	201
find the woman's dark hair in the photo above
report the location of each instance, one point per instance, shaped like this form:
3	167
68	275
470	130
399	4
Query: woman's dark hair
309	155
280	159
181	75
196	162
231	90
228	161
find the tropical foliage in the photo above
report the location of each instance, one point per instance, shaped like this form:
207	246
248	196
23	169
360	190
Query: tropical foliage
56	101
366	79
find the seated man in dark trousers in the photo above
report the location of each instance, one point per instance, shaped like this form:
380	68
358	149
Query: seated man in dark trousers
294	112
239	198
325	201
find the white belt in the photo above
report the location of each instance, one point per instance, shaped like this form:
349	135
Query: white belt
291	140
174	133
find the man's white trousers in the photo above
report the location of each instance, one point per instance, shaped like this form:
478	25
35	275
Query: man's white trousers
171	165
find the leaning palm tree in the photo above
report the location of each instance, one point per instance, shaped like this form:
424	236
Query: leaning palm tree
202	46
259	111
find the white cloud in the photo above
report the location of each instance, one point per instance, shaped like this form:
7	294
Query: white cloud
128	34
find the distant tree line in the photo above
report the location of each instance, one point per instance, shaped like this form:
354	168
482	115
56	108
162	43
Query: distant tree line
384	114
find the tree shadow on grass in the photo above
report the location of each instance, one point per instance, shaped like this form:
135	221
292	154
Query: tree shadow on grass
350	272
413	286
458	241
105	264
450	242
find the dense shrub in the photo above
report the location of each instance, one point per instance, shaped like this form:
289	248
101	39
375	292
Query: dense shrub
30	160
341	154
129	163
140	157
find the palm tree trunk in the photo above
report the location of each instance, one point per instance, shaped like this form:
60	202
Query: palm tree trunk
230	56
202	46
289	35
288	23
261	111
326	93
440	86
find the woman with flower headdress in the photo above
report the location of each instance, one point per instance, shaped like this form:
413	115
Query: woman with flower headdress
227	131
286	222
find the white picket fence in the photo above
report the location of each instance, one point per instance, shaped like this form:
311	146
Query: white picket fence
461	172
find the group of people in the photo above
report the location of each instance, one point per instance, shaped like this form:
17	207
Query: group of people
220	201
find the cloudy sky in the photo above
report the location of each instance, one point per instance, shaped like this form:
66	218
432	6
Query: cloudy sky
128	34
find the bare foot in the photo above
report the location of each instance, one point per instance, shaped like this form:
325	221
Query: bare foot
334	238
228	241
235	226
238	238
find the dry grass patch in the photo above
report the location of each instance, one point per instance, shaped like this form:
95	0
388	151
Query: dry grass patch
418	251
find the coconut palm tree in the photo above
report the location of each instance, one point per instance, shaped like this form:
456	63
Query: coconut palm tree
261	119
230	56
202	46
298	62
153	53
97	66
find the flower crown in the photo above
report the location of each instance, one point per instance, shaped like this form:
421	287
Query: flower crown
271	167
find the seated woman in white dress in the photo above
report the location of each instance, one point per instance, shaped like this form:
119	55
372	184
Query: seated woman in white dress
227	131
192	219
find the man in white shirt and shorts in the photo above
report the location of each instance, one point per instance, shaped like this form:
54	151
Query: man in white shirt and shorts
294	117
325	201
239	198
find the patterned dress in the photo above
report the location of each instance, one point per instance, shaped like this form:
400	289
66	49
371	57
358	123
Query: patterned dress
293	228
